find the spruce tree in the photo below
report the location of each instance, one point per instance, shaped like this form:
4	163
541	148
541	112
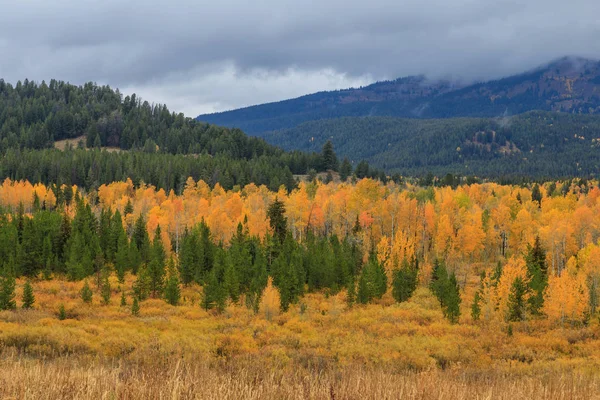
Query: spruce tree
156	267
86	293
537	274
476	307
28	298
7	289
231	283
536	195
278	220
62	313
123	299
329	158
213	293
351	293
345	170
453	300
105	290
135	307
404	282
172	290
516	300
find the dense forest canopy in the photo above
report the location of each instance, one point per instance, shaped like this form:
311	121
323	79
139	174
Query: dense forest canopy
157	146
537	144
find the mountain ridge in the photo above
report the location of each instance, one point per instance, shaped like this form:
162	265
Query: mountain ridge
568	84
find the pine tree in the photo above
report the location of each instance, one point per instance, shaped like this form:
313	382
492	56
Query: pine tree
231	283
329	158
62	313
141	286
446	289
187	257
476	307
172	290
156	267
213	295
7	289
536	195
135	307
105	290
28	298
537	274
404	282
372	283
516	300
345	170
122	257
86	293
123	299
453	300
278	220
351	293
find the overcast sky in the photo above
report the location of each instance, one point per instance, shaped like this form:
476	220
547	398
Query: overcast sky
205	56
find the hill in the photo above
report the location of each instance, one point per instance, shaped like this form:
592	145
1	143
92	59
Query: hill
537	144
164	148
567	85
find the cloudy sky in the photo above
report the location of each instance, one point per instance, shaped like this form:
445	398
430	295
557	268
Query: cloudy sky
206	56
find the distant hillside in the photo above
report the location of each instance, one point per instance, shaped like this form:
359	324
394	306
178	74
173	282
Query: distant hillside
163	148
535	144
567	85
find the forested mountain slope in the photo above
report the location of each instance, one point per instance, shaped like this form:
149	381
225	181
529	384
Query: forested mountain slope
535	144
568	85
163	148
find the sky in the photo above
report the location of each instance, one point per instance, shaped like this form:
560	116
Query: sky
207	56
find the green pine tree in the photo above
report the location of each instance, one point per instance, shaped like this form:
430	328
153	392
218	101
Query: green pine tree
86	293
135	307
516	300
62	313
476	307
172	289
28	298
7	289
105	289
404	282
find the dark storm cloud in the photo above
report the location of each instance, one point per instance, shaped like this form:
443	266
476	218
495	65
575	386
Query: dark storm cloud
201	56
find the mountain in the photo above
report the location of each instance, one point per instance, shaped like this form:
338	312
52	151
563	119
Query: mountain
536	144
568	85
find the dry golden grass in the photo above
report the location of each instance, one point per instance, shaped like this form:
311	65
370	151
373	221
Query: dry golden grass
318	350
72	378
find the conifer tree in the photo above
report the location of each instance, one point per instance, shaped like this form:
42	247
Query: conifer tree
214	295
278	220
105	290
350	293
329	158
86	293
231	283
476	307
28	298
537	274
517	300
345	170
7	289
62	313
172	290
453	300
156	267
135	307
123	299
404	282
